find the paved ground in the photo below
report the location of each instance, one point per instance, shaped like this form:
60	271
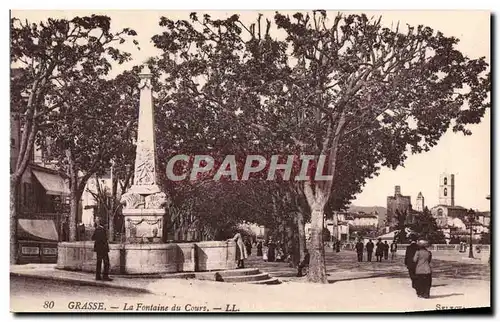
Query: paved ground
354	287
344	266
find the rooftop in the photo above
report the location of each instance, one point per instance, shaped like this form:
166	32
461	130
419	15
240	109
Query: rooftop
449	207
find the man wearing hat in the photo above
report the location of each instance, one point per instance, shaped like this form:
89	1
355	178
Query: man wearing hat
359	249
410	264
101	247
423	270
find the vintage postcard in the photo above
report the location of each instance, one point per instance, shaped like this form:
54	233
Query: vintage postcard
250	161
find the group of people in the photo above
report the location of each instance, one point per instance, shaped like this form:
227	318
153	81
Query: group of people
80	230
418	261
381	250
273	253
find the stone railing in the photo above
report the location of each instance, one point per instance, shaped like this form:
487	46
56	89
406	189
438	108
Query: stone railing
436	247
447	247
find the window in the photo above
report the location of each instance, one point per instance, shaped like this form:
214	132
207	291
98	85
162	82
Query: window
445	192
445	181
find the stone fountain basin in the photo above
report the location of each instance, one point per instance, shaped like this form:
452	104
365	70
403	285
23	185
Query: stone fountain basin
150	258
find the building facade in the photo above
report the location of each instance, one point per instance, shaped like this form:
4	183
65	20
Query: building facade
363	220
420	203
395	203
444	213
447	189
43	203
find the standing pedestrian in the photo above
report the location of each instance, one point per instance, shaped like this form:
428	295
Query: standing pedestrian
271	251
65	228
359	250
386	250
241	251
423	270
304	263
80	230
394	249
369	250
410	265
259	248
101	248
379	251
248	246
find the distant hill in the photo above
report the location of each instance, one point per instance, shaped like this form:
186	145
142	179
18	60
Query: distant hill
382	212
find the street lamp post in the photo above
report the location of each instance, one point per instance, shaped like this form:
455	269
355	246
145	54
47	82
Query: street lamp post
471	214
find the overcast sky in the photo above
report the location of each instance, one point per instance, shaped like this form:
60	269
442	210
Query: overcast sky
467	157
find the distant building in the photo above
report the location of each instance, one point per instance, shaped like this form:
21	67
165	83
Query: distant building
453	219
443	213
42	197
362	220
483	217
398	202
338	226
88	200
260	232
420	204
343	224
447	189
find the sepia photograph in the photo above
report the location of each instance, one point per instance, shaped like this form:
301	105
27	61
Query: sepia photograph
244	161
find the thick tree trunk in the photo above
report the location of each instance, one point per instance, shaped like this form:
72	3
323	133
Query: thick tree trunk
301	235
317	268
290	245
335	234
111	228
74	202
14	185
114	204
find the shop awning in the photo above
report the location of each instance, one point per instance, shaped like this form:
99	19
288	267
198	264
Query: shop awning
37	229
52	183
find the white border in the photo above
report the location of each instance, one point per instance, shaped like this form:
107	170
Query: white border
198	5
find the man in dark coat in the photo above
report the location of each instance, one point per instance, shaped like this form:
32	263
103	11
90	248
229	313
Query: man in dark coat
369	250
101	247
394	249
259	248
65	229
248	246
410	264
386	250
304	263
379	251
271	251
359	250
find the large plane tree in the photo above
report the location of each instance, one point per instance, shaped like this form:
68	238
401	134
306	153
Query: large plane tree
344	86
49	58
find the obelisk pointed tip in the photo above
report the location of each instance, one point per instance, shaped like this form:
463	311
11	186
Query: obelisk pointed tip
145	70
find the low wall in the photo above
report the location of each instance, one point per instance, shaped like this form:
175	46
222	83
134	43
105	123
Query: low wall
211	256
150	258
447	248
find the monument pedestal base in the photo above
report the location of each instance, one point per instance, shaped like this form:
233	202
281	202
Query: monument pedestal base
143	225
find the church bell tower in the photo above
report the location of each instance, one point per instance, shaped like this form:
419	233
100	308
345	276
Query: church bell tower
447	189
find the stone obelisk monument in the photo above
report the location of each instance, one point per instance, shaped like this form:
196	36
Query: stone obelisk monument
144	203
